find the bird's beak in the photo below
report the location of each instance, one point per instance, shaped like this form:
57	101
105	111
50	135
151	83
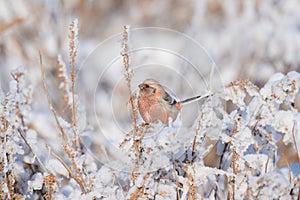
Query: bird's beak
141	86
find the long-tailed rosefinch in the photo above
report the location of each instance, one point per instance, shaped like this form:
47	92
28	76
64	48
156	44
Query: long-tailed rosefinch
155	104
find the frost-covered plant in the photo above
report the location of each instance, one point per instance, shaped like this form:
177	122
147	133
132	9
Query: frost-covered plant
15	108
69	129
169	163
247	142
164	162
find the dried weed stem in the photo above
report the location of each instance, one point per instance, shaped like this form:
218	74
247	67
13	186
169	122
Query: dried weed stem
73	46
70	152
128	76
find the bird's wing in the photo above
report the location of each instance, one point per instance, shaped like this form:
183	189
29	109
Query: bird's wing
168	98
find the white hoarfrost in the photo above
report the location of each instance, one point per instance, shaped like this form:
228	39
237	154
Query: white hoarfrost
36	182
162	162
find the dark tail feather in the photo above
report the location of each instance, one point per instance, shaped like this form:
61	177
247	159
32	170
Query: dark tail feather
194	98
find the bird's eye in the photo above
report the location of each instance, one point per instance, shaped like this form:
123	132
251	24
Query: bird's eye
146	86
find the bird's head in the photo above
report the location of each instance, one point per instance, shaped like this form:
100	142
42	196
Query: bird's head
150	88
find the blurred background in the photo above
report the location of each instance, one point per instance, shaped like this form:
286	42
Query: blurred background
246	39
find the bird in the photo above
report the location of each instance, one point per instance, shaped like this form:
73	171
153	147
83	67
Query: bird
156	105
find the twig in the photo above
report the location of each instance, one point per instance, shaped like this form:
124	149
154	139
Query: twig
69	171
73	53
119	184
49	100
128	75
267	164
177	184
11	24
67	147
41	166
233	161
295	141
191	183
195	139
198	128
242	181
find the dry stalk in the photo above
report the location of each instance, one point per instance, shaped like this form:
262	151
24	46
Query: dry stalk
63	76
198	128
195	138
2	183
233	162
79	180
9	179
70	152
242	181
73	53
116	178
50	185
267	164
128	76
139	192
177	185
192	187
7	160
295	141
11	24
10	182
16	76
62	132
40	164
243	85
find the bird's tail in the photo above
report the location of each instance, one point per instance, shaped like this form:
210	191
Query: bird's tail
194	98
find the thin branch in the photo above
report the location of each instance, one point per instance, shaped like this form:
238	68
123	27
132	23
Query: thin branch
11	24
191	183
49	100
69	171
73	53
128	75
40	164
295	141
267	164
177	184
195	139
119	184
